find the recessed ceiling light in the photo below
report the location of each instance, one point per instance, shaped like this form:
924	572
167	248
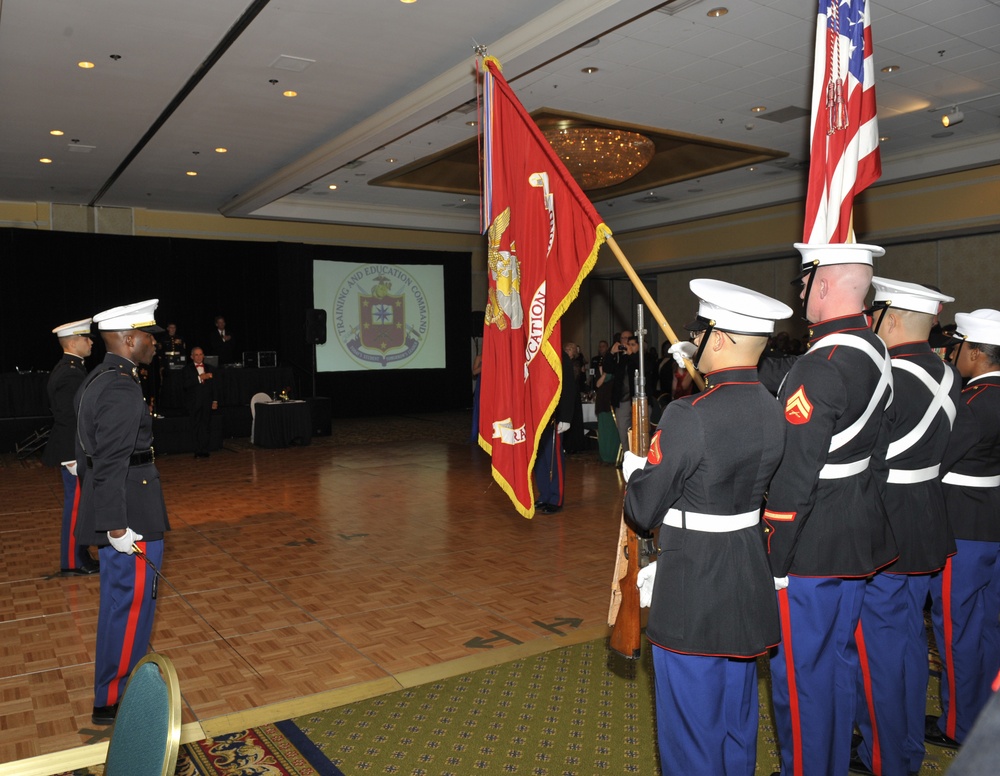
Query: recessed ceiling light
221	150
56	132
751	169
758	109
407	2
715	13
391	160
45	160
589	70
85	65
290	93
472	123
192	173
884	138
890	68
332	187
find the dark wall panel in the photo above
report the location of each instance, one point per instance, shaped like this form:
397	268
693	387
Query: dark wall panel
262	289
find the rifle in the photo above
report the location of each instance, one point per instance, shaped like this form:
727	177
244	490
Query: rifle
633	552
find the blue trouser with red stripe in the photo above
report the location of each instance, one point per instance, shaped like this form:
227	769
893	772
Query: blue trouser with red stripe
892	683
706	714
549	468
125	618
71	555
814	674
966	607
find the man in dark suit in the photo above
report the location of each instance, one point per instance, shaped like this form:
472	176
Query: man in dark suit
60	451
220	342
121	502
199	399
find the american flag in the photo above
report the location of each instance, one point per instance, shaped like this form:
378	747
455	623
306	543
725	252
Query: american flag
844	158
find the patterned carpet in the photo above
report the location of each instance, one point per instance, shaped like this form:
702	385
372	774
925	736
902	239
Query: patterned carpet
575	711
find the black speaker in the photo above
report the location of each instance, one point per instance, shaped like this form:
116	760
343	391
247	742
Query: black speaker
316	327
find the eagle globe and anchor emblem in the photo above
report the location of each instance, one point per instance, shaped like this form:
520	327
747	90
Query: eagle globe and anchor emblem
383	335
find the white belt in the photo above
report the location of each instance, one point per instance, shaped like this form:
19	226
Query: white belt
970	480
911	476
696	521
837	471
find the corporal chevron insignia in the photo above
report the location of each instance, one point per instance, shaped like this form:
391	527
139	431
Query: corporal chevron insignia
655	454
798	408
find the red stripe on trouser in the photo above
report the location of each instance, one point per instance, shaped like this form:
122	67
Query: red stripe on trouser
859	639
793	695
951	721
135	609
557	454
74	557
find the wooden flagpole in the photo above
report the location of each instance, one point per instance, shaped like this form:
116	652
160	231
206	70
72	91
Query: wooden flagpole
653	307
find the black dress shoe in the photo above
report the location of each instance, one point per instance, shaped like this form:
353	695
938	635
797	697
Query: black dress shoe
856	765
933	734
104	715
550	509
82	571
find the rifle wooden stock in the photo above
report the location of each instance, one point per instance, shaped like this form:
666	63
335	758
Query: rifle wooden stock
624	614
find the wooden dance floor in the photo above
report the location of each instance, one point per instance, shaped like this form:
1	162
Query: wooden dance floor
381	557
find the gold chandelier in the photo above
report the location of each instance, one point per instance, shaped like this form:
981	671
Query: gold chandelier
597	157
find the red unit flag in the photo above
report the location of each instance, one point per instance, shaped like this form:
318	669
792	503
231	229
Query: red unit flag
543	238
844	157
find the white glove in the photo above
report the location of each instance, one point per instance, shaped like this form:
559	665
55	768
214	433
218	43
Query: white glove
562	427
632	463
124	543
644	581
780	583
681	351
70	467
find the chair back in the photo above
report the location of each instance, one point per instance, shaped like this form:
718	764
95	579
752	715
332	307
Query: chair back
146	736
255	400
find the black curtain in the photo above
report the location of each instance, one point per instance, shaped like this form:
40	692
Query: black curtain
263	289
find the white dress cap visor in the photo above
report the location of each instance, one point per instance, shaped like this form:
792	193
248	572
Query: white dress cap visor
737	309
76	328
909	296
982	326
130	316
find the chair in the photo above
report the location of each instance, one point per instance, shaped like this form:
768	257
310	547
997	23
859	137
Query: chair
147	733
254	401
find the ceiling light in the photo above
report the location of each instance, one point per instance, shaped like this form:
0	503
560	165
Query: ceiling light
391	160
56	132
955	116
758	109
472	123
598	157
45	160
715	13
589	70
332	187
751	169
290	93
890	68
192	173
884	138
407	2
221	150
85	65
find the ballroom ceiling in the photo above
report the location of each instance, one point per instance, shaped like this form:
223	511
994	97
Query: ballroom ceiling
382	84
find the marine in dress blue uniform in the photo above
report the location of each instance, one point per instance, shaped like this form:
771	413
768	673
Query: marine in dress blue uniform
60	450
121	503
826	525
550	460
702	485
966	595
891	637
